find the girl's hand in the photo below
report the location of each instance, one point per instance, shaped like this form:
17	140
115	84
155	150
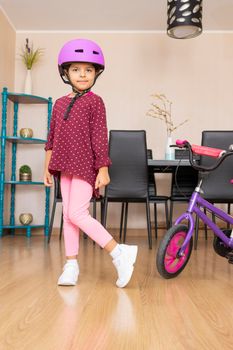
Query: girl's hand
102	178
48	181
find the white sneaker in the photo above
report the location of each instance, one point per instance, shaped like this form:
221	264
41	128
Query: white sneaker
124	264
69	276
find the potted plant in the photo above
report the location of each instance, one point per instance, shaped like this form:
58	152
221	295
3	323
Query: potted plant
30	57
25	173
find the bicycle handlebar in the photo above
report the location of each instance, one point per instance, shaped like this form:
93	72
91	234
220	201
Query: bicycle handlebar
204	151
208	151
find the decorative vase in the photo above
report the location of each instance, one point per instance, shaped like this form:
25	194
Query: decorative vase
26	132
25	218
169	152
28	83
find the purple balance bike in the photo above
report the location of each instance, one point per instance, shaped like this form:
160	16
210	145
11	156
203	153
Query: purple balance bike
176	246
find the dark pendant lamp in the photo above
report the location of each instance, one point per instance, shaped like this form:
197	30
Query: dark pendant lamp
184	18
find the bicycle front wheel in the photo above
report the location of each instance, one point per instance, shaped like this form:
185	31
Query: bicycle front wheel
169	264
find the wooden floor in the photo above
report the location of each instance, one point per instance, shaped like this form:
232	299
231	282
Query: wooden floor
193	311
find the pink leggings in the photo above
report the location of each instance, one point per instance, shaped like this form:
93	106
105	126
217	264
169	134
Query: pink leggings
76	196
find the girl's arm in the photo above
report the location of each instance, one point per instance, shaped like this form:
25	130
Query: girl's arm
99	136
48	148
102	178
50	137
47	176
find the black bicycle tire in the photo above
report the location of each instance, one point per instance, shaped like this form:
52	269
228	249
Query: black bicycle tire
219	247
163	248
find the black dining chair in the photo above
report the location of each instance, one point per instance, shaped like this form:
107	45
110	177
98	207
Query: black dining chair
156	199
216	185
57	198
128	174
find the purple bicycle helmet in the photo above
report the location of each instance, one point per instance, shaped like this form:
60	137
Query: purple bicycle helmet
80	50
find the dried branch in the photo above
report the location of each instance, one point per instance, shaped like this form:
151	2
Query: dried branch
163	112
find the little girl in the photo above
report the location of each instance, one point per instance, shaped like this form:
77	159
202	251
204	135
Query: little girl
77	148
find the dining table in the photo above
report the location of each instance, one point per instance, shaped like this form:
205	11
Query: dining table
183	178
166	165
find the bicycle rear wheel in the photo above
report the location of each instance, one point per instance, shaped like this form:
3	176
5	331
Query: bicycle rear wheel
220	247
169	265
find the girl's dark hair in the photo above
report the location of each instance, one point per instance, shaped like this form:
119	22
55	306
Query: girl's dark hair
97	68
66	66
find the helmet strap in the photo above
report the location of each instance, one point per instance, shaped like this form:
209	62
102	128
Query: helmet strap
66	115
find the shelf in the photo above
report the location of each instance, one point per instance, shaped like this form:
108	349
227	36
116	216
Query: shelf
26	99
23	183
24	140
9	157
23	226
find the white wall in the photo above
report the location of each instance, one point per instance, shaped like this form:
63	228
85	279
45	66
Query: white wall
195	74
7	57
7	76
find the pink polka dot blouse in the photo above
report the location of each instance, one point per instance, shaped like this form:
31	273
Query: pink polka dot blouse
79	144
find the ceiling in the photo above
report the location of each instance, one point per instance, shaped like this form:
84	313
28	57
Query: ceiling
106	15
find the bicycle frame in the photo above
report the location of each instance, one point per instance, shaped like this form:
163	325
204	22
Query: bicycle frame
196	201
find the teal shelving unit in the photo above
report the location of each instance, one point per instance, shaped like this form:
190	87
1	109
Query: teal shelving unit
14	139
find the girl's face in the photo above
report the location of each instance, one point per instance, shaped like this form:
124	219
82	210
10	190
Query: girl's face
82	75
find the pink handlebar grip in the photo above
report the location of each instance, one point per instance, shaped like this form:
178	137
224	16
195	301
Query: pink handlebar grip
181	143
208	151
